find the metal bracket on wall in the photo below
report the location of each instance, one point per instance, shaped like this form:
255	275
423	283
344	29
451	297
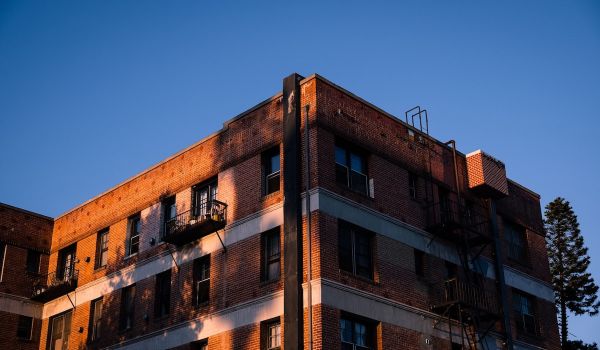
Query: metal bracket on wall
220	240
71	301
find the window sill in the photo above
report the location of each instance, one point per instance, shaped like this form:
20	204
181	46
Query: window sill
100	268
161	318
345	273
269	282
202	305
23	340
270	195
130	256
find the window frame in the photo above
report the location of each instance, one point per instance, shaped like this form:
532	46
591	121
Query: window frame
348	232
370	334
348	153
95	327
3	253
29	327
512	233
102	248
211	187
65	331
521	323
168	205
127	308
268	173
266	327
269	256
134	230
419	260
33	257
201	278
412	185
162	294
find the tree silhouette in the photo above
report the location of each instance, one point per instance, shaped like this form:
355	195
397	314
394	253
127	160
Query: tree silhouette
574	287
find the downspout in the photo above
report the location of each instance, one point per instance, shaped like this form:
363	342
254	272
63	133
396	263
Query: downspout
308	226
455	169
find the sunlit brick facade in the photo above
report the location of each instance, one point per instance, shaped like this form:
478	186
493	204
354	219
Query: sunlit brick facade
209	248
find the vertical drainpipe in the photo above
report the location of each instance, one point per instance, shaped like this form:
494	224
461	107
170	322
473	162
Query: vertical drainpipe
499	268
308	226
293	315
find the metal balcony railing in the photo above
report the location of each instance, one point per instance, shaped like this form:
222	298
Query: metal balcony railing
190	225
453	292
54	284
449	217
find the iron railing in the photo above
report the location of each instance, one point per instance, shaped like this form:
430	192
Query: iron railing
450	214
213	211
454	291
66	278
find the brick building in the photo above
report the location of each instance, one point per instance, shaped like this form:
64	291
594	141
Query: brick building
409	243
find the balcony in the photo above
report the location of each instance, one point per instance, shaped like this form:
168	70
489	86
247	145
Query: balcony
454	221
54	285
470	298
190	225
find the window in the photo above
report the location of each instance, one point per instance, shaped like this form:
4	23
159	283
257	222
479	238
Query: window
162	296
271	335
135	227
33	261
351	169
24	327
201	292
127	307
516	242
169	208
412	185
60	329
271	171
524	312
66	263
419	263
356	334
199	345
95	319
355	252
102	249
271	255
451	270
2	259
203	196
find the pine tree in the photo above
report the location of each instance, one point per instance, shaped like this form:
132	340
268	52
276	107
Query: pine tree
574	287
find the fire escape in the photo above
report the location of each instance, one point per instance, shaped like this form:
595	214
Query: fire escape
209	217
462	299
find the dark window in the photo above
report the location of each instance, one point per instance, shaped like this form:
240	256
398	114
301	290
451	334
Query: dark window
201	273
95	319
524	312
456	346
135	227
33	261
451	270
356	334
203	196
169	208
162	295
516	242
271	334
127	307
412	185
351	169
59	331
419	263
66	263
271	255
199	345
102	249
355	251
24	327
271	170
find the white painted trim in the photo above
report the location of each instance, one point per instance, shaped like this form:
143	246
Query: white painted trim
18	305
254	224
341	207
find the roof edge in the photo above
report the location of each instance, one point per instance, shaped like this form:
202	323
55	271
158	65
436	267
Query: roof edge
26	211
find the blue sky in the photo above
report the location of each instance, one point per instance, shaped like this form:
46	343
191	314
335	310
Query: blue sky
93	92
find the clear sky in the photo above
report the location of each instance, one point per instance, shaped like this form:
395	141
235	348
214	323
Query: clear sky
93	92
